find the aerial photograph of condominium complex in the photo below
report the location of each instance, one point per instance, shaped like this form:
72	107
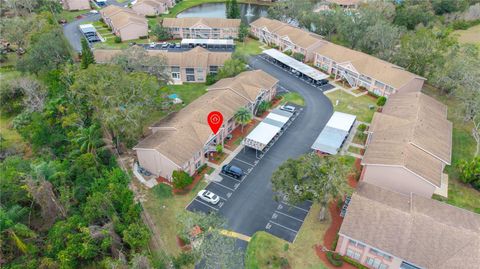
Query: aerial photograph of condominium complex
231	134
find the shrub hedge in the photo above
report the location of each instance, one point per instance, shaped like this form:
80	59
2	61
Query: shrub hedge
334	258
354	263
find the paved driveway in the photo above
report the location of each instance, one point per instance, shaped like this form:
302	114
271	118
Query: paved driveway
250	206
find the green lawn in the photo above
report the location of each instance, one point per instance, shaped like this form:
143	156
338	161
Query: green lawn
471	35
163	208
293	97
301	254
187	92
459	194
358	106
71	15
249	47
354	150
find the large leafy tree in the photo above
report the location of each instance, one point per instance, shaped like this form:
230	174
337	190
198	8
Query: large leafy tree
243	116
213	250
311	177
87	55
161	32
120	101
231	68
136	59
49	52
412	13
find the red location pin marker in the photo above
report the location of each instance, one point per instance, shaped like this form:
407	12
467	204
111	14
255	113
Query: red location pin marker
215	120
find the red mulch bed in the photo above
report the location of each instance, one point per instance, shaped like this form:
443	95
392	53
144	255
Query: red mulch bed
183	246
276	101
238	134
330	236
164	181
217	158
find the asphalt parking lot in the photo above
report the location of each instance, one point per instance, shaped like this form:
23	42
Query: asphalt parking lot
282	220
250	206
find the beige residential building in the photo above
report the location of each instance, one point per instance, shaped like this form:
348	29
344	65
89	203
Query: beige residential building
383	229
202	28
183	140
286	37
187	66
152	7
124	22
359	69
408	146
76	4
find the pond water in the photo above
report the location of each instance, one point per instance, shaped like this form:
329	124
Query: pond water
248	12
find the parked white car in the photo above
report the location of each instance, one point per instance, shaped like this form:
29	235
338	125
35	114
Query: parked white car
152	45
209	197
290	109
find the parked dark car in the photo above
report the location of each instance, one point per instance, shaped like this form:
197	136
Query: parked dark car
232	171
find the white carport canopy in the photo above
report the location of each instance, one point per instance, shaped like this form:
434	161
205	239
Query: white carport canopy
336	130
267	129
299	66
87	28
208	42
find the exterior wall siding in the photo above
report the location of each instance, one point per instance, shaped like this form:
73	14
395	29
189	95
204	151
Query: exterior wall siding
133	31
399	179
207	33
366	255
155	162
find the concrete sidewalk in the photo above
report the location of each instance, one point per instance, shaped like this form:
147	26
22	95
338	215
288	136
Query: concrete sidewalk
215	175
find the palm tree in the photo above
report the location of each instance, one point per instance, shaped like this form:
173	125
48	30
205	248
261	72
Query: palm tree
12	228
311	177
243	116
89	139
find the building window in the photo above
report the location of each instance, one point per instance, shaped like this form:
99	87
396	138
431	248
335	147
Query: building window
376	263
353	254
213	69
381	254
190	77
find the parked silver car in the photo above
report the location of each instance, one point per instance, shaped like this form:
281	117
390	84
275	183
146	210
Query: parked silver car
208	196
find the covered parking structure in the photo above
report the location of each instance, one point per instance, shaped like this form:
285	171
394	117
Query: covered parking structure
267	130
334	133
208	43
298	68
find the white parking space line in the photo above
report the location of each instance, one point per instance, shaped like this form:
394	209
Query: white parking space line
295	207
297	219
236	179
292	230
244	162
216	183
199	201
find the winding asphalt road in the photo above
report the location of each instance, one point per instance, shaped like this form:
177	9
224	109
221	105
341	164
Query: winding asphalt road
250	207
73	34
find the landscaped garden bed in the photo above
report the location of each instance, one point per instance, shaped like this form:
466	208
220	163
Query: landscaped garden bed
238	135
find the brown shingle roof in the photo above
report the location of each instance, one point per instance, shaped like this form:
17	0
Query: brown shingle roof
184	133
122	17
197	57
423	231
412	131
210	22
383	71
298	36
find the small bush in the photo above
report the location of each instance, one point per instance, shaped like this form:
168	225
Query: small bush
117	39
354	263
381	101
181	179
211	78
151	16
262	107
285	247
219	148
335	242
101	20
334	258
362	127
201	168
162	191
184	259
143	37
298	56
